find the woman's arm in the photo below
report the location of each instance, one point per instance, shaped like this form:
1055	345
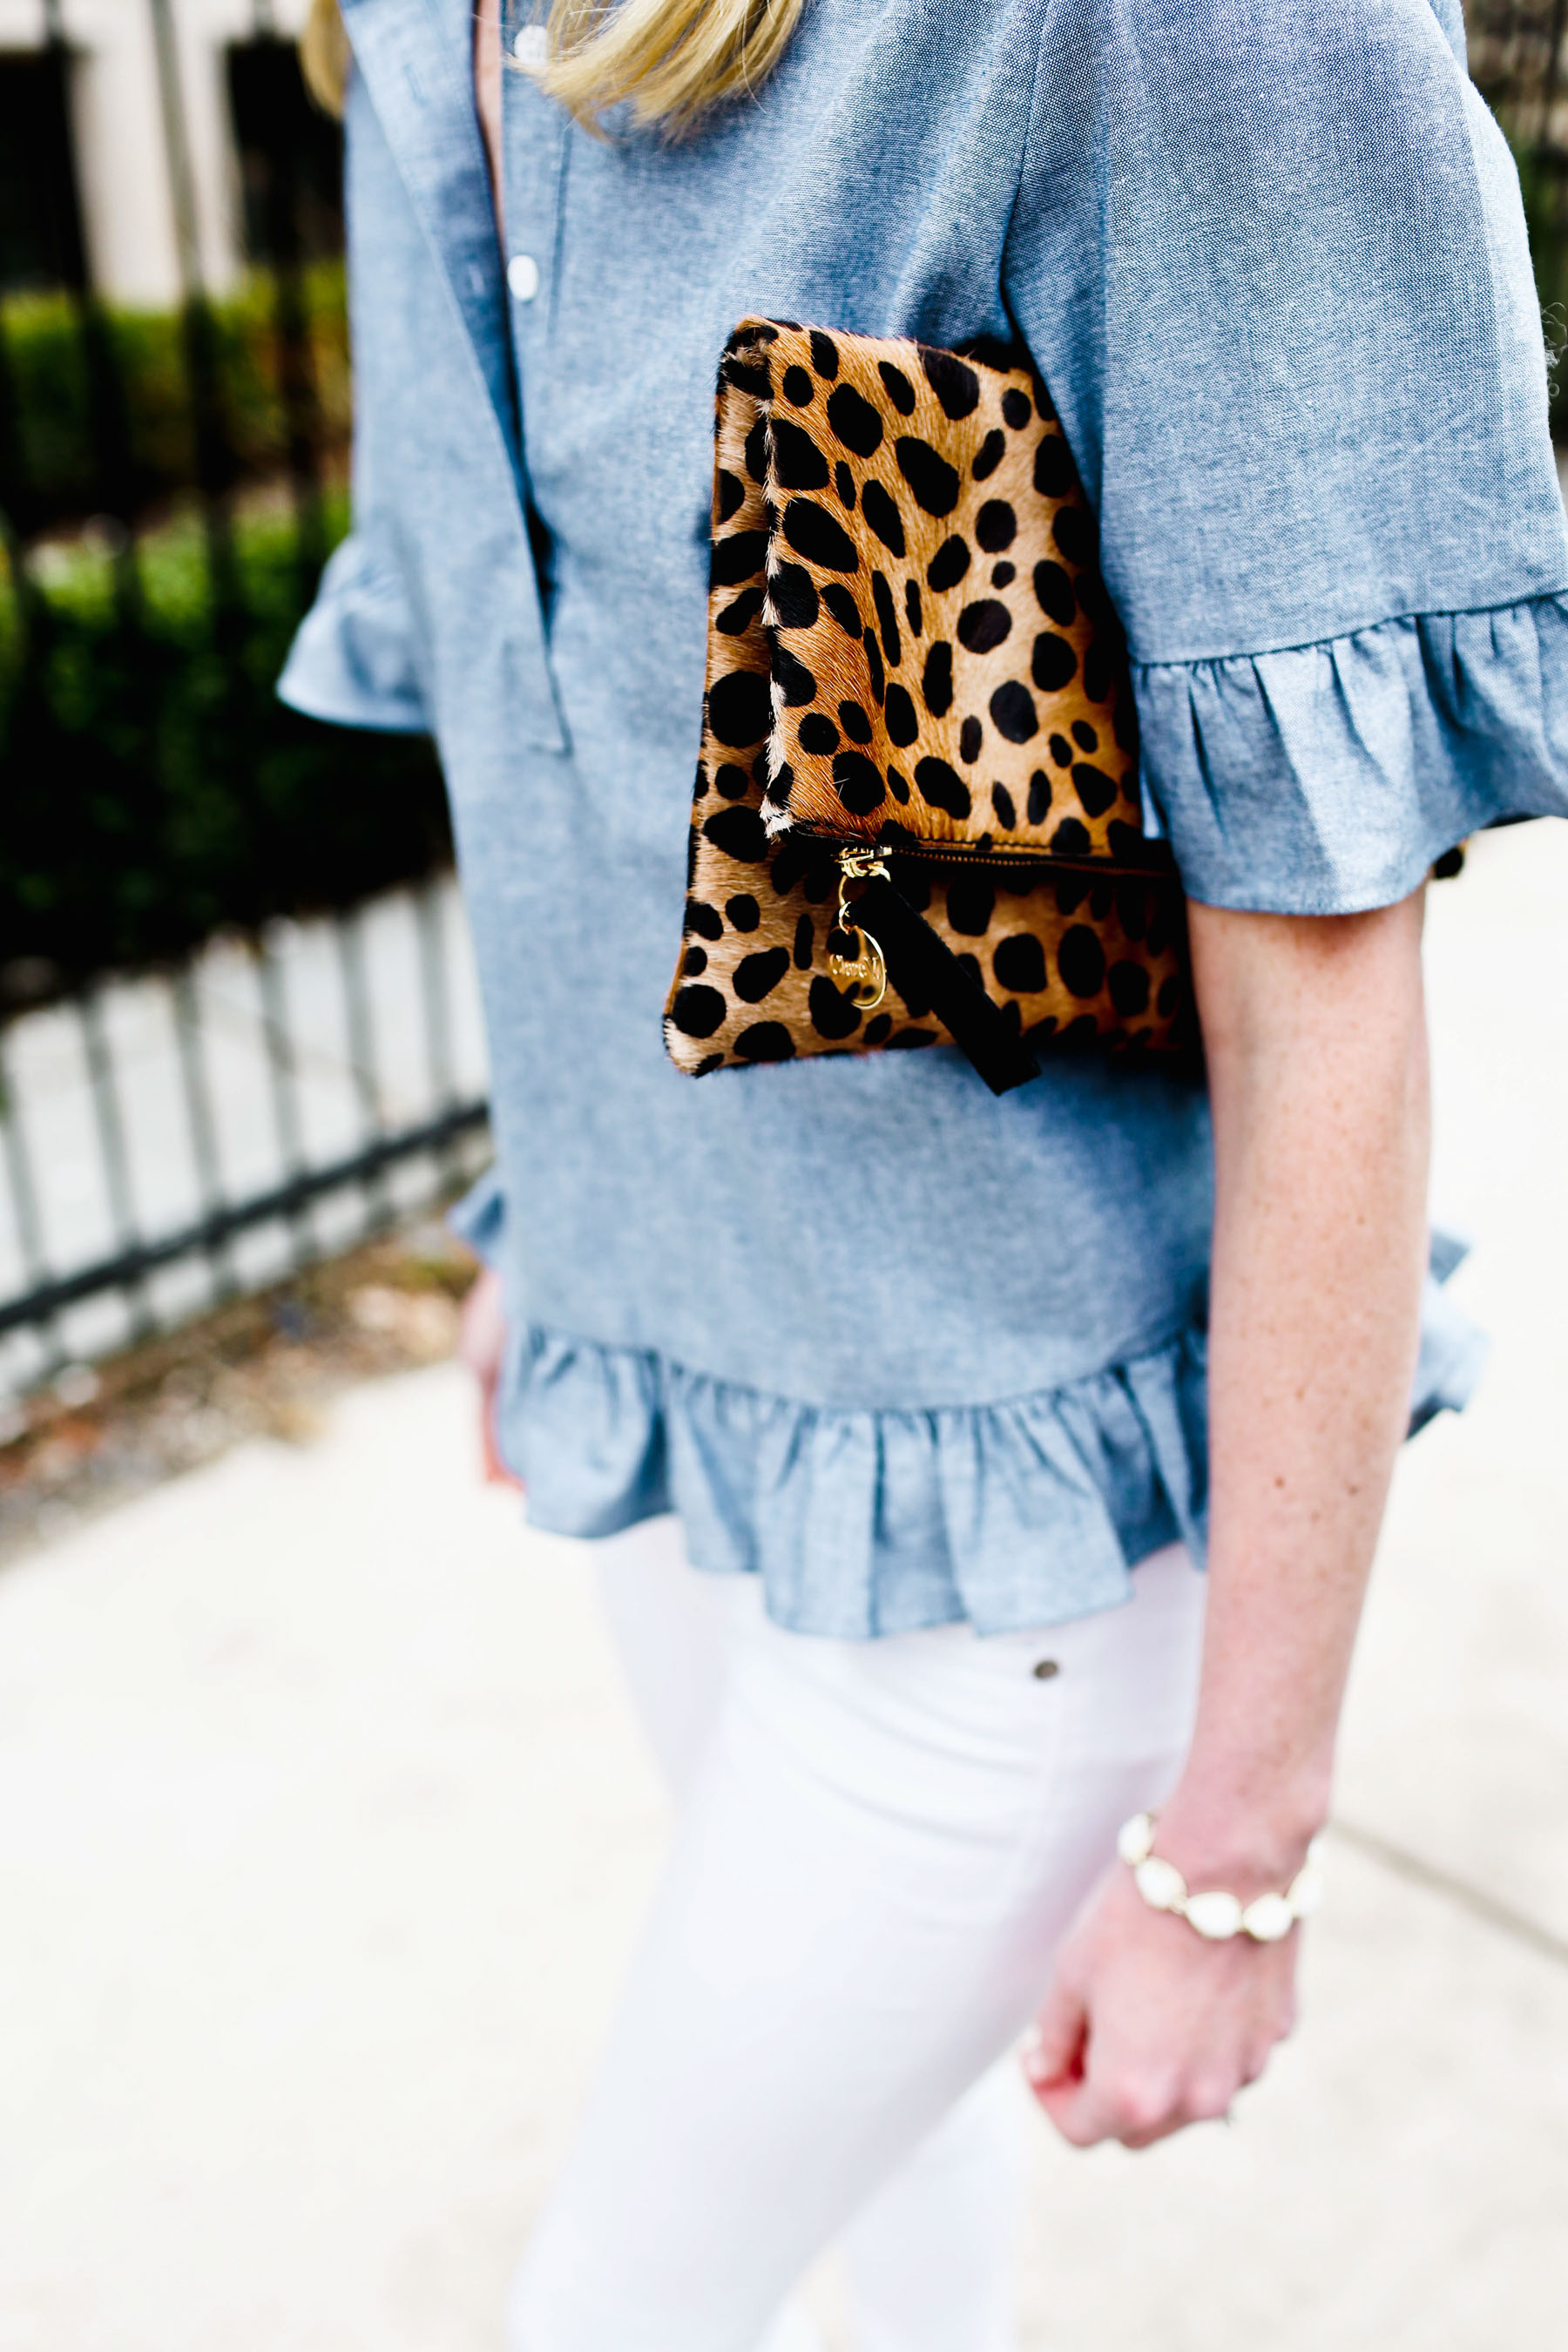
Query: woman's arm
1316	1039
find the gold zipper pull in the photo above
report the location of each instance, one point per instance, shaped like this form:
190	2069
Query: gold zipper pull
863	976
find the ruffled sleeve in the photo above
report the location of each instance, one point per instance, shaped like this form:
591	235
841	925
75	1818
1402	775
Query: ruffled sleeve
1325	779
352	660
1273	267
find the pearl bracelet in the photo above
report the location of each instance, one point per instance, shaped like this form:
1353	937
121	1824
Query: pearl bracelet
1268	1918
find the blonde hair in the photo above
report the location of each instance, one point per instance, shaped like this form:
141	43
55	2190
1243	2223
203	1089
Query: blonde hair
672	60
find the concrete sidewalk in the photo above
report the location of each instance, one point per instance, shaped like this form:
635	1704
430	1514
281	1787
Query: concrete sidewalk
323	1835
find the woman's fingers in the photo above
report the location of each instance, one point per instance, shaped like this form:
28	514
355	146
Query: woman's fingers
481	1344
1147	2028
1052	2051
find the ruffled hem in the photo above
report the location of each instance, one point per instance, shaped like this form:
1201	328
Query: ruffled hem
1326	779
1014	1514
352	661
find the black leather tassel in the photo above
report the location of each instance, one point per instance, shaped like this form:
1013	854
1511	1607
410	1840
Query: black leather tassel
924	969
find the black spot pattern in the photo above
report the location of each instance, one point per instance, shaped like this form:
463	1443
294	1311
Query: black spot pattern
876	1028
1012	712
844	483
899	787
1080	960
887	620
949	564
1053	663
899	718
737	558
805	934
704	919
766	1041
793	596
693	961
798	387
756	451
859	784
943	786
843	607
824	354
1061	750
874	665
989	455
936	681
756	976
1095	788
697	1011
813	532
957	386
912	606
1039	796
995	526
1098	672
928	474
984	626
738	709
855	722
1019	963
818	735
970	735
740	832
1002	801
881	510
743	911
1053	594
1004	574
832	1015
793	680
855	421
731	494
798	463
1084	736
1075	535
971	902
898	388
737	618
1070	839
1015	408
1054	475
1129	985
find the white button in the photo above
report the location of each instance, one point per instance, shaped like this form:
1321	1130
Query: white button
530	46
522	275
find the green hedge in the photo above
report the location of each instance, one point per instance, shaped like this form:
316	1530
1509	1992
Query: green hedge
155	790
66	412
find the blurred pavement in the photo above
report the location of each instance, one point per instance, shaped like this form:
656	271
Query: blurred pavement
323	1835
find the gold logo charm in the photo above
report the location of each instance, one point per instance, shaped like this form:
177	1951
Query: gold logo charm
863	975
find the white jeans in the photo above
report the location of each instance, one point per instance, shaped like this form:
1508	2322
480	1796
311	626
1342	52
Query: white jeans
880	1844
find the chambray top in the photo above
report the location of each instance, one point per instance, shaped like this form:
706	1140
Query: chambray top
911	1352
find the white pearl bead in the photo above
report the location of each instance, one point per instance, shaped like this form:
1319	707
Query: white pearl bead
1214	1914
1160	1883
1135	1840
1268	1919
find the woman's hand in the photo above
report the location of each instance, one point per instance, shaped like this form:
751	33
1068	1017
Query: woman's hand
1146	2027
481	1344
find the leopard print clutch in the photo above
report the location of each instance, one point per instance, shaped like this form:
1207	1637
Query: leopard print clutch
917	814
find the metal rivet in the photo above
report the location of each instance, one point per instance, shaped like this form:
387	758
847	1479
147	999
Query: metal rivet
1046	1669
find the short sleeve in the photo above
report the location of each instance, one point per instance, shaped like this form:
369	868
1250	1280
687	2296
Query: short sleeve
1272	264
352	660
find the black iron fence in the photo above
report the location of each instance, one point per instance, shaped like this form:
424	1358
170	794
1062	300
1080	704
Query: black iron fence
1519	62
170	486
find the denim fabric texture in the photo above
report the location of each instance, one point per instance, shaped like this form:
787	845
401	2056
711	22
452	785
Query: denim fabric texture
910	1352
